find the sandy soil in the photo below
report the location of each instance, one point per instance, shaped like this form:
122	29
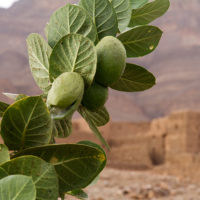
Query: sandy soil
117	184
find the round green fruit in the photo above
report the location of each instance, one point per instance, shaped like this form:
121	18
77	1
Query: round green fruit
65	90
95	97
111	57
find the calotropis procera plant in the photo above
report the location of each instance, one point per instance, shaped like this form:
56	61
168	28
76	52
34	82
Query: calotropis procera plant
85	54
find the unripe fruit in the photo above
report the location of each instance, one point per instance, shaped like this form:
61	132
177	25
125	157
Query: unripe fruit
111	56
65	90
95	96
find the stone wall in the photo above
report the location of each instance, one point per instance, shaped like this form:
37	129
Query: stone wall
180	133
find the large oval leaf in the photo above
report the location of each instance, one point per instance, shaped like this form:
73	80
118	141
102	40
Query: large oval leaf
4	153
39	54
149	12
91	123
70	19
123	11
17	187
103	15
76	165
43	175
74	53
137	3
26	123
141	40
3	107
134	79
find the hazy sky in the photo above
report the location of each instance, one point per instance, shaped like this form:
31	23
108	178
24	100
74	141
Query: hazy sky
7	3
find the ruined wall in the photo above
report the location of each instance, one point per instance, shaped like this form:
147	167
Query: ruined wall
129	145
193	132
179	133
176	142
158	133
133	155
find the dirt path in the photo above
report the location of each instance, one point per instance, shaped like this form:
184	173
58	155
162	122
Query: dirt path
130	185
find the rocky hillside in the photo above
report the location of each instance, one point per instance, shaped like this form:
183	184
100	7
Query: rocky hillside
175	63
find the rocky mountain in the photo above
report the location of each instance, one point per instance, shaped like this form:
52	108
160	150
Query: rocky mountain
175	62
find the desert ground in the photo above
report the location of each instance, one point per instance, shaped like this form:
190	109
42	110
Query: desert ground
115	184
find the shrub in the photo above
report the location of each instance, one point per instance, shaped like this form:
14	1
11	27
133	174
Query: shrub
65	67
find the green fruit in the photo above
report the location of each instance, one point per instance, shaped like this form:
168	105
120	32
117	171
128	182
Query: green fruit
95	97
65	90
111	56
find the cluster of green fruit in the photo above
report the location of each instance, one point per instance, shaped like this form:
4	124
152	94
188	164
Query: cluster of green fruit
88	45
68	87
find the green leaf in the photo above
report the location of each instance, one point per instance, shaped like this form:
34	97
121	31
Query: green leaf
62	128
103	15
70	19
4	153
60	113
134	79
83	111
76	165
149	12
15	97
26	123
141	40
80	194
99	117
39	53
3	173
137	3
123	11
3	107
74	53
17	187
43	175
